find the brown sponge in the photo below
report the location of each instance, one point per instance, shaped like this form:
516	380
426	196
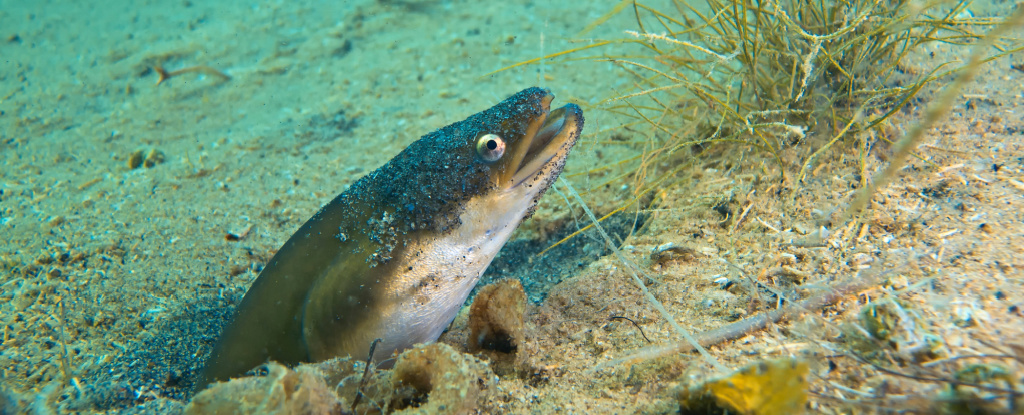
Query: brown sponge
496	317
283	391
437	379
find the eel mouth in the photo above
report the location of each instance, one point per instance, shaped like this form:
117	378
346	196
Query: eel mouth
554	134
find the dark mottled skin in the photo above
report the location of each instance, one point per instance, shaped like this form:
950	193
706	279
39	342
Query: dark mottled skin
347	245
423	187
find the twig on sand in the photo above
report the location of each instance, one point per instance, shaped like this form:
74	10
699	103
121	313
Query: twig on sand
746	326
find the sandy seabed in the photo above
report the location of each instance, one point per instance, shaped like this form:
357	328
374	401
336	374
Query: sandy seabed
118	197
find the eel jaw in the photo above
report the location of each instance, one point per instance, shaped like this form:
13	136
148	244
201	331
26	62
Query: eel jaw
548	149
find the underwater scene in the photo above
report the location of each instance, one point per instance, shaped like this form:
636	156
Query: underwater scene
512	207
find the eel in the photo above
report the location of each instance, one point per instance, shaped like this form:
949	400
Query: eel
396	255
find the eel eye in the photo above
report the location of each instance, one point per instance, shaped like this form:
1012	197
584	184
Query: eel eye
490	147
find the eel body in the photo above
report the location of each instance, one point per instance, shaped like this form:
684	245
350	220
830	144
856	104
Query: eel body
396	255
